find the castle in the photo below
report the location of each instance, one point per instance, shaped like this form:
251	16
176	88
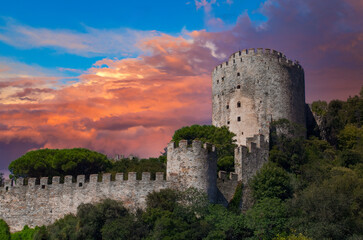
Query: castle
250	90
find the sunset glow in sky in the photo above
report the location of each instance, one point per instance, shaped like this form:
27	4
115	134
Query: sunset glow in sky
122	76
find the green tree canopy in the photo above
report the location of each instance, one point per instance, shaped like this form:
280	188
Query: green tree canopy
271	181
4	230
59	162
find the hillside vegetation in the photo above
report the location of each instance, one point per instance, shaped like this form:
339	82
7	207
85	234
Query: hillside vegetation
310	189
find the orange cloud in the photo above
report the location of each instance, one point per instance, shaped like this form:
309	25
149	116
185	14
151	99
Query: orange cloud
118	106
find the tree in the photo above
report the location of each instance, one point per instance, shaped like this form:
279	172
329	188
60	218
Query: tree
106	220
271	181
62	229
267	218
221	138
25	234
331	209
4	230
59	162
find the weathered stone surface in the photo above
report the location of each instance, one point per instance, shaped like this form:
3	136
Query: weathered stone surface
193	166
249	159
37	205
227	184
255	87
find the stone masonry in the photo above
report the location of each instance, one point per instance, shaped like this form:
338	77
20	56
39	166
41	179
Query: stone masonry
255	87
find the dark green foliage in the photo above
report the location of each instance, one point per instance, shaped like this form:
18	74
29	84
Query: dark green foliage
320	108
222	138
59	162
165	200
331	209
42	234
335	115
93	219
4	230
226	224
267	218
226	163
271	182
64	229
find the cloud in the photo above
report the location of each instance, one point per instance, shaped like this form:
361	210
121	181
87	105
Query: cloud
328	42
134	105
130	105
91	42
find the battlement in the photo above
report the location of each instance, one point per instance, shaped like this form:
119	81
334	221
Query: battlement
224	176
80	180
37	202
266	53
195	146
250	158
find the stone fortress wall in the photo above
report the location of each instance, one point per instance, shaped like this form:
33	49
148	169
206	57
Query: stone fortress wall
255	87
37	205
249	91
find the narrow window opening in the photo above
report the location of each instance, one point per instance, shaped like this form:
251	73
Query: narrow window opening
242	133
43	186
238	74
227	63
222	79
241	59
238	86
80	184
227	106
217	81
238	119
239	104
234	61
7	188
228	122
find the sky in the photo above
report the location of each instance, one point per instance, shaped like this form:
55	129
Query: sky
119	77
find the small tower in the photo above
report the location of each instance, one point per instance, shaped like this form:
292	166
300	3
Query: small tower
193	166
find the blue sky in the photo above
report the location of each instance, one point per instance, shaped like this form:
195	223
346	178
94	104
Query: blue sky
165	16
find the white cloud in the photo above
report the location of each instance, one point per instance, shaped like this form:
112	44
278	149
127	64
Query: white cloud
92	42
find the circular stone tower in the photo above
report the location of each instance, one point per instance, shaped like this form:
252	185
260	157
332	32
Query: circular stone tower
255	87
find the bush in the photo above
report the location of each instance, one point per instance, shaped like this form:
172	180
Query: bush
271	182
267	218
4	230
